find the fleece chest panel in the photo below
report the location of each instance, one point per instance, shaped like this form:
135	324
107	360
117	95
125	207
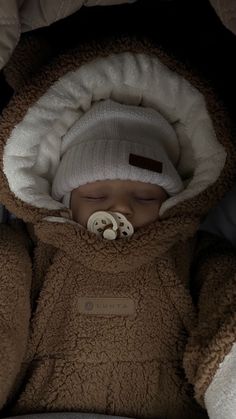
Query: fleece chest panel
110	343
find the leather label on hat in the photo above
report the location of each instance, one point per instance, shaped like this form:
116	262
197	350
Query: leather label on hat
106	306
145	163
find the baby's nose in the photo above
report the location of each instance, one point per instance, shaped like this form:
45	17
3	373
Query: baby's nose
123	206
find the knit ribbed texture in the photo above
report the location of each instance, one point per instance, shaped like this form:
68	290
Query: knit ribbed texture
99	144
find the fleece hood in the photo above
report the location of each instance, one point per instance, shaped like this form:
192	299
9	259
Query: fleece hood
36	120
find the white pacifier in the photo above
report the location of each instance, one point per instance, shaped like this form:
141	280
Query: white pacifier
110	225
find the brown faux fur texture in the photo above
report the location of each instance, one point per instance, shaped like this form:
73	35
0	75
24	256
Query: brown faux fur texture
154	269
14	304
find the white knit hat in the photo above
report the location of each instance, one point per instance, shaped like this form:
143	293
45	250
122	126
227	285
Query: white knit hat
118	141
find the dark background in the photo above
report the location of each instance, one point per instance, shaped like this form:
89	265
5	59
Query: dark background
189	29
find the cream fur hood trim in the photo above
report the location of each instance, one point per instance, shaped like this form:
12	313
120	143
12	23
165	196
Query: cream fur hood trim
35	146
220	397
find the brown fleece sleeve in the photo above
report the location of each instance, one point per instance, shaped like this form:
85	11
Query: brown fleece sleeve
214	284
15	282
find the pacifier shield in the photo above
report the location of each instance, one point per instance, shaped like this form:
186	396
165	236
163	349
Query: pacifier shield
110	225
124	226
102	221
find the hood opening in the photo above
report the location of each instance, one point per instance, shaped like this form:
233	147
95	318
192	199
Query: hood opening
33	150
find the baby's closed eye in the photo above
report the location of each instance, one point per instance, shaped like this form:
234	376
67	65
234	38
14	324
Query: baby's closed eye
139	198
94	197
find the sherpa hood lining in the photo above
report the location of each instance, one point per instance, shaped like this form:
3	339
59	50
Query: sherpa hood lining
33	150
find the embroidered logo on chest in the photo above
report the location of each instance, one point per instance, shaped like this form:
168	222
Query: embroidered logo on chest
106	306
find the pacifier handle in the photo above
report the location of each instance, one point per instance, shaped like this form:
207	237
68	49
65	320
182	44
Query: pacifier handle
109	233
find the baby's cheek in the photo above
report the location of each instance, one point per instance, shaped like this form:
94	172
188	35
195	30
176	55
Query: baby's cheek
84	212
145	216
78	214
154	213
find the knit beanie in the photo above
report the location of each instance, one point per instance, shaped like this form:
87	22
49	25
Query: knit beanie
118	141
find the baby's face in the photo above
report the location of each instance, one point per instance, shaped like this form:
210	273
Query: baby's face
138	201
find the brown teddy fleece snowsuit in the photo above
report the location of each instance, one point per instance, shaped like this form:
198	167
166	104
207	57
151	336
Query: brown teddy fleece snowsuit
134	327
